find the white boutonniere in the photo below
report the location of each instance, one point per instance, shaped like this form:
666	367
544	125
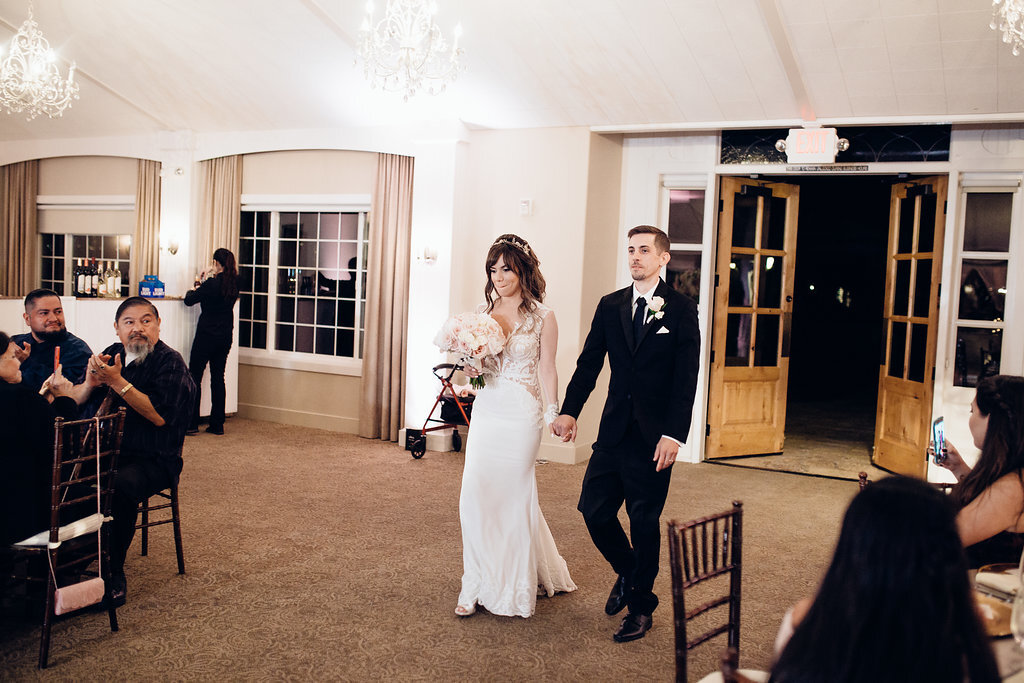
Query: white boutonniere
656	308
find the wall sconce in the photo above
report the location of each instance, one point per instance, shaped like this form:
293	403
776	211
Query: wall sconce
427	256
171	244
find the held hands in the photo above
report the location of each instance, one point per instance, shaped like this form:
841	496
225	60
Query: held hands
665	453
564	427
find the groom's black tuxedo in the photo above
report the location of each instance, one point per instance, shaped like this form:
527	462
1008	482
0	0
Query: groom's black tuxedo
653	378
650	395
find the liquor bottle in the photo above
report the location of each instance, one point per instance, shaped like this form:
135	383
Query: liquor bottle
92	278
117	281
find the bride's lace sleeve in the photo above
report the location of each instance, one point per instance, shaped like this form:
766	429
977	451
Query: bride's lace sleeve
547	374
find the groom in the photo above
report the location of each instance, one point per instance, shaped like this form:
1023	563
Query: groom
649	332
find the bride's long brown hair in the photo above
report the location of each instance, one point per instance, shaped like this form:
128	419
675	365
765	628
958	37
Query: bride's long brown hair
519	256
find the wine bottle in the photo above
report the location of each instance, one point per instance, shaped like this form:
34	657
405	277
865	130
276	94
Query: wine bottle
78	278
94	279
101	288
117	280
108	276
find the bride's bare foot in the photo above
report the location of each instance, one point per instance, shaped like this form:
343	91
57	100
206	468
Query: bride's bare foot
464	611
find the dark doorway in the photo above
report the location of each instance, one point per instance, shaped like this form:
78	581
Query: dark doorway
836	328
842	237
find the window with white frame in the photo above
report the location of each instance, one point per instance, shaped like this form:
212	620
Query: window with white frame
60	254
686	236
982	267
302	284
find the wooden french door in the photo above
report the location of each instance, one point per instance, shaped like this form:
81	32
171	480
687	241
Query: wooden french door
753	305
917	215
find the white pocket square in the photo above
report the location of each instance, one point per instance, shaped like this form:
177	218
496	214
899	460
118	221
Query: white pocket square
663	330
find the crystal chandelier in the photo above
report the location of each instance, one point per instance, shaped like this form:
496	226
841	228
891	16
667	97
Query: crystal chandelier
29	80
406	51
1008	17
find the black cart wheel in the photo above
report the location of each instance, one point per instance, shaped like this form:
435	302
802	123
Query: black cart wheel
418	446
456	440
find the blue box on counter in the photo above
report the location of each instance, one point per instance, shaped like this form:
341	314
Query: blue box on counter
151	288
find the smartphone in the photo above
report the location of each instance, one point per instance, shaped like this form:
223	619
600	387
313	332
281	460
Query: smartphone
938	441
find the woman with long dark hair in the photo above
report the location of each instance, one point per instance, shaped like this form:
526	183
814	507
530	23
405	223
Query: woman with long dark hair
990	496
896	603
216	295
508	552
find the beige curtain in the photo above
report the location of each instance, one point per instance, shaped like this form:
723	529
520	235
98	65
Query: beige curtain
387	300
19	248
220	207
145	252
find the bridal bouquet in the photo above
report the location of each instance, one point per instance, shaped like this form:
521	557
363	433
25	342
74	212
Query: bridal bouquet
473	336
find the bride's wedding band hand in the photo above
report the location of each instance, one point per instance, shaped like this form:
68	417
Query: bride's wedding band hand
564	427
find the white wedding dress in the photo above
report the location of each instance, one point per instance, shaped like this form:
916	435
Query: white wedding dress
508	553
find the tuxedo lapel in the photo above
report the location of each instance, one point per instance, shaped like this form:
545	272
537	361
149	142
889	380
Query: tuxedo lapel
626	313
659	290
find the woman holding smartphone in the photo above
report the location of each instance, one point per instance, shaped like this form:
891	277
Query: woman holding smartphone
990	496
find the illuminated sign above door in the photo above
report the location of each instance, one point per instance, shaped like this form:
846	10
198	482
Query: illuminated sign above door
810	145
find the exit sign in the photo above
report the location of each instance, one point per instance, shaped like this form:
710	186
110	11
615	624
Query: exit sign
811	145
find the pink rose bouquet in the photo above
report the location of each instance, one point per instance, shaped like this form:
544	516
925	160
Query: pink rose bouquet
473	337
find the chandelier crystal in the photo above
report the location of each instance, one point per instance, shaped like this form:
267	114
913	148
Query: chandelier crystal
1008	17
406	51
29	79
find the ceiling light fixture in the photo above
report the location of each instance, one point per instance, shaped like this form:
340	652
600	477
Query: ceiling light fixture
29	79
406	51
1008	17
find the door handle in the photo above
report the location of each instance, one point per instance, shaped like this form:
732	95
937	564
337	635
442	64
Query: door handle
789	299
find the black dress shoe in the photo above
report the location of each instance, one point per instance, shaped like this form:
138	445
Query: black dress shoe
618	597
215	430
633	627
117	591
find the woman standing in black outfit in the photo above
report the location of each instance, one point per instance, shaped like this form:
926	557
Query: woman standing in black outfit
216	297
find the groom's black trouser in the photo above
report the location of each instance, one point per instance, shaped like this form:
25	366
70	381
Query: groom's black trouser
625	473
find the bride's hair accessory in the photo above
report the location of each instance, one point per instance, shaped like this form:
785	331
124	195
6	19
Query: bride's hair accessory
513	242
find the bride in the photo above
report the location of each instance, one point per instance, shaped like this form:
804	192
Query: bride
508	553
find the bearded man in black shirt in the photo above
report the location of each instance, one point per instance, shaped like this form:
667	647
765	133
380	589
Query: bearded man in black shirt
152	381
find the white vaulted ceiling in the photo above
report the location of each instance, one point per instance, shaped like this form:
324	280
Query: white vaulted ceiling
238	65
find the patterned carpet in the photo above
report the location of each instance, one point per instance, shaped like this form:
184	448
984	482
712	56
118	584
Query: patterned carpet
320	556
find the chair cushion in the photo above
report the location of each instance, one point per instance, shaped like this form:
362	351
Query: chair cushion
79	527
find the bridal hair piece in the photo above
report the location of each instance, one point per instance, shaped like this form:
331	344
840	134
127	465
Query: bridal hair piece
522	260
512	241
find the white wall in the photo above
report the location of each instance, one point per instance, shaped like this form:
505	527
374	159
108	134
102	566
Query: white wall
561	171
689	159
